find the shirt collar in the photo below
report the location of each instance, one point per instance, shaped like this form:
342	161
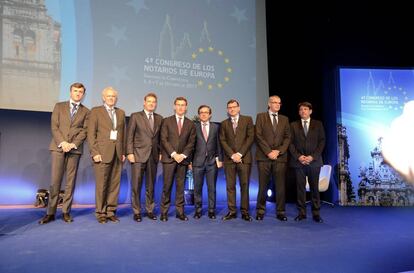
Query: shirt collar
71	101
108	108
308	120
147	113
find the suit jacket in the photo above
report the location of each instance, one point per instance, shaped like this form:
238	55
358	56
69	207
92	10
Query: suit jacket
312	144
99	130
141	140
205	152
240	142
171	141
267	140
63	129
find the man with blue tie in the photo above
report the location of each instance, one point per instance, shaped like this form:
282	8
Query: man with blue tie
206	161
68	126
307	144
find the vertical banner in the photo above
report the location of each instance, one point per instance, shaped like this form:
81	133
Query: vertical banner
370	102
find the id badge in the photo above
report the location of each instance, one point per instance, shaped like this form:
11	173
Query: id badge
114	134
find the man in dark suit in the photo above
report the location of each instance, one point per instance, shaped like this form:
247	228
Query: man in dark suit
143	152
307	144
106	141
272	138
206	161
177	142
236	138
68	126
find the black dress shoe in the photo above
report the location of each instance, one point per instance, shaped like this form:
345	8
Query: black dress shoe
182	217
164	217
211	215
300	217
67	218
281	217
137	217
102	220
247	217
151	216
317	219
197	215
259	217
47	218
113	219
230	216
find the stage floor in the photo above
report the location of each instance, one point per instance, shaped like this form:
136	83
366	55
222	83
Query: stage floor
352	239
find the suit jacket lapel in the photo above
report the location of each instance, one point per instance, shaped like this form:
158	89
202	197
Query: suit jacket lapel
66	111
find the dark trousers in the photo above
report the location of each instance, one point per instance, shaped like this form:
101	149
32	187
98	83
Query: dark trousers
169	171
277	170
313	178
210	172
62	163
138	170
108	180
243	171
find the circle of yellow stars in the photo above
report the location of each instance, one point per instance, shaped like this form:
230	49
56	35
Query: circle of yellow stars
393	89
228	70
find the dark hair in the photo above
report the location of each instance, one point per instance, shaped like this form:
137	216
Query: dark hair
232	101
305	104
150	95
204	106
180	98
78	85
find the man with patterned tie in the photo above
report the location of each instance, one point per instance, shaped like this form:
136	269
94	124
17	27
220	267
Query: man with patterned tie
272	138
106	142
308	142
177	141
68	126
206	161
236	138
143	152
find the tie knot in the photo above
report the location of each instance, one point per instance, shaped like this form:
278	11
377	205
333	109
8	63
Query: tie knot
74	105
274	115
204	123
305	122
149	115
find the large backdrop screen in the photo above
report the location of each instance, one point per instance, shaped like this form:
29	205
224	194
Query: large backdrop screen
208	51
372	103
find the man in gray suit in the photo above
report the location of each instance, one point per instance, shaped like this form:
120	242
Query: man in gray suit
106	142
177	141
68	126
308	142
143	152
272	138
206	161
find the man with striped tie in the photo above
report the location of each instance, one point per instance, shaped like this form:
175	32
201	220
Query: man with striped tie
68	126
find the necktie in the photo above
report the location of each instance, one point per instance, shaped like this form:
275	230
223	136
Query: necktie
205	131
234	124
111	115
74	109
180	126
274	124
151	121
305	127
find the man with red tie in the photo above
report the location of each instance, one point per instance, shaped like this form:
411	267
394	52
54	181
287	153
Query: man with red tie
177	142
